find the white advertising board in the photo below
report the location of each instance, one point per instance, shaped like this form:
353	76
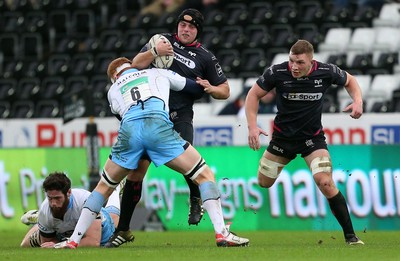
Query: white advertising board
209	131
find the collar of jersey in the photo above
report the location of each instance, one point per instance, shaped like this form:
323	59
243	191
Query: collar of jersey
130	70
195	43
71	199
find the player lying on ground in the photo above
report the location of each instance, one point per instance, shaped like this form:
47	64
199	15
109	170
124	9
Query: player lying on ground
60	211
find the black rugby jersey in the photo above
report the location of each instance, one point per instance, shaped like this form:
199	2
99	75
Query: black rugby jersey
299	101
192	61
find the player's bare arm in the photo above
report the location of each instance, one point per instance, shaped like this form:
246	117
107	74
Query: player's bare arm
144	59
352	87
219	92
251	107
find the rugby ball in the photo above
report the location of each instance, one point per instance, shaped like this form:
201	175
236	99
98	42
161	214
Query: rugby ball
164	61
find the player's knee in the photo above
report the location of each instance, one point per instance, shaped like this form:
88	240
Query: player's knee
199	169
269	168
108	181
321	164
265	182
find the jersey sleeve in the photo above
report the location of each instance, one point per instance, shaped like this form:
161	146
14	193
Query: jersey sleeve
339	76
180	83
213	71
44	225
267	80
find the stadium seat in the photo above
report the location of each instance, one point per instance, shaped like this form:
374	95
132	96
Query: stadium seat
236	88
12	22
321	57
111	41
257	36
52	88
285	12
99	85
381	90
60	22
283	35
5	108
214	18
260	13
82	64
63	44
8	89
12	68
83	23
336	40
75	84
387	39
309	32
253	60
28	88
134	40
344	98
359	61
230	61
34	68
202	110
210	38
233	37
310	11
364	14
236	14
362	40
385	60
395	104
47	109
280	58
102	60
32	46
338	59
101	108
9	45
36	22
166	20
58	65
389	15
89	45
22	110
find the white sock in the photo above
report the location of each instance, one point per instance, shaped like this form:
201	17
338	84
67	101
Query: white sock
89	213
85	220
214	210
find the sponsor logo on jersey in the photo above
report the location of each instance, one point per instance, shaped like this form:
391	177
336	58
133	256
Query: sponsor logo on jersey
189	63
280	150
192	54
218	69
309	143
318	83
302	96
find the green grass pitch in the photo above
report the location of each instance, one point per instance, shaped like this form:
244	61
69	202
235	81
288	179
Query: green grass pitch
191	245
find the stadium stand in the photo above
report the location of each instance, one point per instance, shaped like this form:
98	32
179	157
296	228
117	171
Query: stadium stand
66	45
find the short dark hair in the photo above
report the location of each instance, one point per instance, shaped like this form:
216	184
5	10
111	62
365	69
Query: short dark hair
302	46
57	181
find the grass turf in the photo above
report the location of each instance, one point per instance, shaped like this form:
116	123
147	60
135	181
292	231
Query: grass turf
188	245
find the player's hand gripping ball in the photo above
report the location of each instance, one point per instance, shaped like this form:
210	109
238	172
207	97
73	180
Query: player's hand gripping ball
163	61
